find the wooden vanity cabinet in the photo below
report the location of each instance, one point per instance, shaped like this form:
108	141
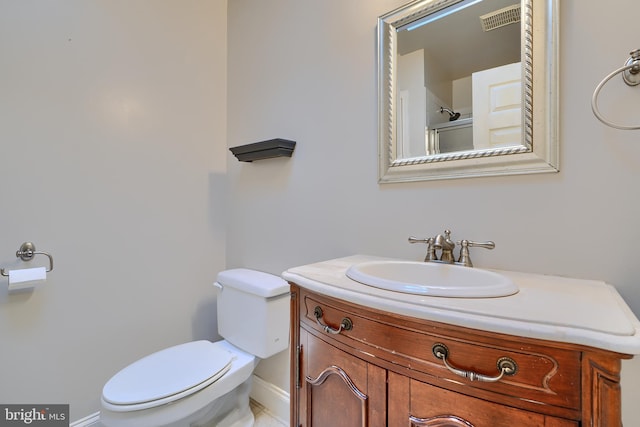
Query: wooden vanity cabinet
383	372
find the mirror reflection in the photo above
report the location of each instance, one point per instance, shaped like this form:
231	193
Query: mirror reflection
459	79
467	88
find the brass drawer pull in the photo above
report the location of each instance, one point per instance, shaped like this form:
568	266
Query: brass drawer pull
345	325
506	366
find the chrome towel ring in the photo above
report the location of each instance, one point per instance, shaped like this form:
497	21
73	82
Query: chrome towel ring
631	76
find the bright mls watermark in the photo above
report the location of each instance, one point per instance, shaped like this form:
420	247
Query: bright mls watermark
34	415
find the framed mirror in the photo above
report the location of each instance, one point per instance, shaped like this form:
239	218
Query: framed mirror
467	88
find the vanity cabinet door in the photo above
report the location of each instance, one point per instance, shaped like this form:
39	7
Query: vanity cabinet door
338	389
431	406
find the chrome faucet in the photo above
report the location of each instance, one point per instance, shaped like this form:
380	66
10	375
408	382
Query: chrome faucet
444	244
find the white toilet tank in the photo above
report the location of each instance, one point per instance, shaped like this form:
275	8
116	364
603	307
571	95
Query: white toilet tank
253	311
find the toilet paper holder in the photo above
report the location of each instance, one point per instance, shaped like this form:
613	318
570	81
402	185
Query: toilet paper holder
26	252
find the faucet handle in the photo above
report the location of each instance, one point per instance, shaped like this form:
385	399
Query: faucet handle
417	240
431	252
464	258
487	245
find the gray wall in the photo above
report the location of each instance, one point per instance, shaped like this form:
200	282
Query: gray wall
305	70
113	122
113	129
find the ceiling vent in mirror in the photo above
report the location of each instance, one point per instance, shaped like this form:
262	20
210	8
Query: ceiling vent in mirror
501	17
264	150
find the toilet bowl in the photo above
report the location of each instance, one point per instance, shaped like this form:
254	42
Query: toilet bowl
204	383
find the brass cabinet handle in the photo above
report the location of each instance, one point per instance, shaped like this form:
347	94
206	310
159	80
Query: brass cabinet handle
506	366
345	325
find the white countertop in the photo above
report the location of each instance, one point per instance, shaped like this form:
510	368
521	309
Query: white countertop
586	312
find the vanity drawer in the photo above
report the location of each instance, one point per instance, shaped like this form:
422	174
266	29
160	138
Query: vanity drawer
546	375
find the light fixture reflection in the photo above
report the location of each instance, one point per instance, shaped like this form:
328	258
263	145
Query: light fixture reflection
439	14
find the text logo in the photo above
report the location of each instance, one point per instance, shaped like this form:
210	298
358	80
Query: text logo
34	415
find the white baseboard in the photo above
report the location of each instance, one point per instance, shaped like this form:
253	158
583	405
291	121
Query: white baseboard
268	395
271	397
91	420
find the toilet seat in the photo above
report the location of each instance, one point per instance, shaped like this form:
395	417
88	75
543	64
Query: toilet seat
166	376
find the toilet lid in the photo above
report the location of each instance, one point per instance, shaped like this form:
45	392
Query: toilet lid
168	375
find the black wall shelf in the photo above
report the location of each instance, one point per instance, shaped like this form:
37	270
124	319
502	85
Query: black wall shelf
264	150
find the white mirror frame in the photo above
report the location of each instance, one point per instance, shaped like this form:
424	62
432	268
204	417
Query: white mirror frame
540	150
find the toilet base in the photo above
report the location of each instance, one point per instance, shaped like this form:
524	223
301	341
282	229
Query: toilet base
231	410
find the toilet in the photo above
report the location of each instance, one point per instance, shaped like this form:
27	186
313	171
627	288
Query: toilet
204	383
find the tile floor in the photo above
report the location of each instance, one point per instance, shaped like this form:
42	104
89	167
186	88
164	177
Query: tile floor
264	417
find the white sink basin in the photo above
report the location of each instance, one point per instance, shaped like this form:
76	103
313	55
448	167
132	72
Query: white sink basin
432	279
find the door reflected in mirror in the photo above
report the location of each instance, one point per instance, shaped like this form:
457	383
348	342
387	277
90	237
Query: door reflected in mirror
456	89
455	67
